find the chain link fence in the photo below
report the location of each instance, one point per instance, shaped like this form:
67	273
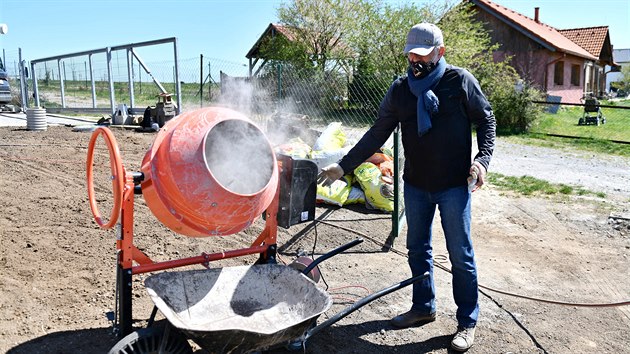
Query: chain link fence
322	97
302	103
281	95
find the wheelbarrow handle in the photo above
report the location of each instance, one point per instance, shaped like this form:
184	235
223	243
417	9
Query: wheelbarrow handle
327	255
362	302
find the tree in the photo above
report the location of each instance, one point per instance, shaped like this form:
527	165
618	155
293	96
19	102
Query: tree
317	27
381	33
622	86
339	30
371	34
469	45
378	36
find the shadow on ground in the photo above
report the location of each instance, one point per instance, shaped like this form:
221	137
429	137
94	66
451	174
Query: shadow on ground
338	339
95	340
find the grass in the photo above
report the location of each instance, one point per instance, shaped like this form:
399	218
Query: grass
527	185
144	93
563	120
590	145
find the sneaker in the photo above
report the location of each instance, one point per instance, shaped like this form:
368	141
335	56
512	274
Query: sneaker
463	339
411	318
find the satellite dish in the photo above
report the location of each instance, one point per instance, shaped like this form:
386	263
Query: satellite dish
4	28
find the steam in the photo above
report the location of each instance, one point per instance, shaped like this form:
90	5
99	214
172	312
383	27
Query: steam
239	156
242	94
280	120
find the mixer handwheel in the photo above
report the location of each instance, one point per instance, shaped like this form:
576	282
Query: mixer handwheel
152	340
118	177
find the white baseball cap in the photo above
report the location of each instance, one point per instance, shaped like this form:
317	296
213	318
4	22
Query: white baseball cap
422	38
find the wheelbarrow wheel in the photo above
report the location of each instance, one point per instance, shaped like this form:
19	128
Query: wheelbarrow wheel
152	340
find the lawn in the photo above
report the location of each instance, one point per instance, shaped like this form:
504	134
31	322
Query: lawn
563	120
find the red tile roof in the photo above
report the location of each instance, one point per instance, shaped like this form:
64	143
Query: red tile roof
269	31
590	38
286	31
290	33
545	35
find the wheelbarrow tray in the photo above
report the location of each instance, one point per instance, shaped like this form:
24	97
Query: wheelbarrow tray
239	309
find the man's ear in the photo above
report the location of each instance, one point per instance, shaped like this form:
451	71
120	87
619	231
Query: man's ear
441	51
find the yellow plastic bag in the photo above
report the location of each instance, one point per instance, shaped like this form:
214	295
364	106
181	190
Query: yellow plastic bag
335	194
378	193
332	138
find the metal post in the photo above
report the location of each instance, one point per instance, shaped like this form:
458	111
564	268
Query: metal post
92	81
23	90
201	80
139	77
61	77
398	216
210	81
124	301
124	245
178	87
130	78
35	90
146	69
112	101
279	81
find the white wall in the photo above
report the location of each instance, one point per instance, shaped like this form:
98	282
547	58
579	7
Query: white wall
621	57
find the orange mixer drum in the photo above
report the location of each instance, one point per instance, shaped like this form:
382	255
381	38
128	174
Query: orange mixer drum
209	172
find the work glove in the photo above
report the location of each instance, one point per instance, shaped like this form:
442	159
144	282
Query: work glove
476	177
330	174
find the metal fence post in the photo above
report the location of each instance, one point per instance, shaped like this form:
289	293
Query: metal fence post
398	214
279	79
201	80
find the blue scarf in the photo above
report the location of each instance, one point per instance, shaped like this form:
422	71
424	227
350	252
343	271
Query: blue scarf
428	102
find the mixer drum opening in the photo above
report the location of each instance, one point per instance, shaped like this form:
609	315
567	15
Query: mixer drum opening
239	156
209	172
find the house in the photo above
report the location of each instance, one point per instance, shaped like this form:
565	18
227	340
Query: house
566	64
325	41
622	58
254	55
596	40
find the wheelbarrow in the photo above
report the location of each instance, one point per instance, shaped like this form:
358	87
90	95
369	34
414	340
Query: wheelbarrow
240	309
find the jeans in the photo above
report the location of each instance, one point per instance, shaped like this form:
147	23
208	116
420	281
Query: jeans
454	207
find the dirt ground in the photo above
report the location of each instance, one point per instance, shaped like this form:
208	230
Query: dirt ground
58	266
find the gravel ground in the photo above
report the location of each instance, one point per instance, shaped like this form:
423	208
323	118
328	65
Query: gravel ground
58	267
595	172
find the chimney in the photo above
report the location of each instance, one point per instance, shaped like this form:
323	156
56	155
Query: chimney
536	12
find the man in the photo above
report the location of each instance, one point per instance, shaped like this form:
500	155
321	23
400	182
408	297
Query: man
435	105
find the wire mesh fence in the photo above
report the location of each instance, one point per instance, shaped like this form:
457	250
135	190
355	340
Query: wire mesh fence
282	91
304	102
321	96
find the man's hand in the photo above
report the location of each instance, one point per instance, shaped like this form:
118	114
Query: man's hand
330	174
477	176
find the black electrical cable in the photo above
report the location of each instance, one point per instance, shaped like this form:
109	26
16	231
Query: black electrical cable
440	266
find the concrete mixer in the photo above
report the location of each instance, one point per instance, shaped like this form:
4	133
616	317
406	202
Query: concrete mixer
209	172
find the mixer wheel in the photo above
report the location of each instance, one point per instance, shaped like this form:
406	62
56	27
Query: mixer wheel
152	340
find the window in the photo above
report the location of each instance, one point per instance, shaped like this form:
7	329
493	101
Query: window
575	75
558	75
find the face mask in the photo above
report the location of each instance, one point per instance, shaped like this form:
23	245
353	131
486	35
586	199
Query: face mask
421	70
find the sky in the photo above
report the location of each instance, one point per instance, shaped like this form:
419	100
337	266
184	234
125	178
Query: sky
221	29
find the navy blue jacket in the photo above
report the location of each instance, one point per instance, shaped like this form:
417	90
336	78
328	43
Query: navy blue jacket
441	158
